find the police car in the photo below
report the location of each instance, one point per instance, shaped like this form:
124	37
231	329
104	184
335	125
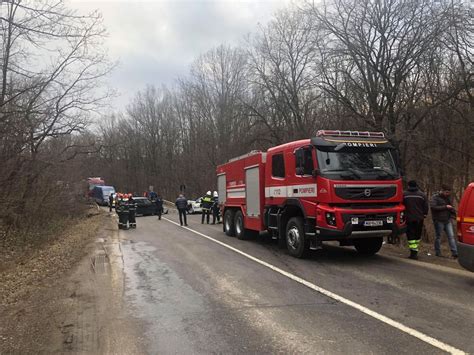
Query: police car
194	206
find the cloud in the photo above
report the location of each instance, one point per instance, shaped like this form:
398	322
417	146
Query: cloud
156	41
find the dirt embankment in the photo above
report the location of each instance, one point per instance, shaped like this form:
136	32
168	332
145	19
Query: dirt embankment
67	296
32	283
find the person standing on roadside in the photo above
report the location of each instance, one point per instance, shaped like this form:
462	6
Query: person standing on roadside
442	211
159	206
215	208
122	211
132	209
416	209
206	204
111	202
182	205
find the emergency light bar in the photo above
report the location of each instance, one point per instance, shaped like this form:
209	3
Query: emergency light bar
324	133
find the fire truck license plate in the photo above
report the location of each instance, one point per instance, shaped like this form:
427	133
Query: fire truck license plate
373	223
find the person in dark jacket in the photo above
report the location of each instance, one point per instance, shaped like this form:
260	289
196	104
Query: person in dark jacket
122	211
206	204
182	206
442	211
215	208
159	206
416	209
111	202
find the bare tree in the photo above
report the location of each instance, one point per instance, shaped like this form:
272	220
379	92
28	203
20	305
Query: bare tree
52	62
282	57
373	54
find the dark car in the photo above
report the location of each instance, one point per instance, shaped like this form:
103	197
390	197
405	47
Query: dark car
146	207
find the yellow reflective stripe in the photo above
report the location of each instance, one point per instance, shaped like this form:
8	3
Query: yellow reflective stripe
469	219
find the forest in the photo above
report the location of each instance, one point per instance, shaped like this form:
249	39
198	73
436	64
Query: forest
401	67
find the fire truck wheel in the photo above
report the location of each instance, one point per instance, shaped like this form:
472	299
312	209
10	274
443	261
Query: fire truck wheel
239	225
229	228
296	243
369	246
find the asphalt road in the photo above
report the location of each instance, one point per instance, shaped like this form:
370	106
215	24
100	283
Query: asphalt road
193	295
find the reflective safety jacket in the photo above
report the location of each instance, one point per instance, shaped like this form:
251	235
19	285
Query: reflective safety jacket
122	207
132	205
206	202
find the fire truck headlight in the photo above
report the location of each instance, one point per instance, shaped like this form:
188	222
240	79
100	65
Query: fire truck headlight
330	218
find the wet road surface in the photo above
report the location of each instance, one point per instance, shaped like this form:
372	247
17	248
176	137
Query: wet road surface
192	295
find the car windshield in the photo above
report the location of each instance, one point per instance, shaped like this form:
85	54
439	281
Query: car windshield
357	164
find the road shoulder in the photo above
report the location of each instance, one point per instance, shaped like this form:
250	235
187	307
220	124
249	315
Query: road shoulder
73	290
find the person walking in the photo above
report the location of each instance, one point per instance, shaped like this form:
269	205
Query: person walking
159	206
416	210
442	211
215	208
206	204
182	205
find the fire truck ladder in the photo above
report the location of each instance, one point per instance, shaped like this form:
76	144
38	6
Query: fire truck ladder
274	222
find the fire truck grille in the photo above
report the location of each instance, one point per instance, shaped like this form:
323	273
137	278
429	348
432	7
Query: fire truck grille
366	205
369	192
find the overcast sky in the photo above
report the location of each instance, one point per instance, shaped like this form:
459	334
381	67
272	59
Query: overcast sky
155	41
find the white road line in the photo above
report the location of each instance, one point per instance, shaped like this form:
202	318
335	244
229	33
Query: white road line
410	331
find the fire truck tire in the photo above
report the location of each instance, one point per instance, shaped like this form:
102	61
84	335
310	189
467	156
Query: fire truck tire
296	243
369	246
229	227
239	225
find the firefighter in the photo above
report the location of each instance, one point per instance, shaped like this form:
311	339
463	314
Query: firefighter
416	209
159	206
122	211
118	209
206	204
215	208
132	209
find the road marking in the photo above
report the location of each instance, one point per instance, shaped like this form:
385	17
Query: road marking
410	331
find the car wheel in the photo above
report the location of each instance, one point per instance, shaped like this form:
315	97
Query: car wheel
229	228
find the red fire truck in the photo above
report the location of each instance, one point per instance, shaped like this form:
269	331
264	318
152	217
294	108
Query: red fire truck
340	186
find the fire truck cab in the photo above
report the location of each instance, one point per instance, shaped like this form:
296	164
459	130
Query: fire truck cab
340	186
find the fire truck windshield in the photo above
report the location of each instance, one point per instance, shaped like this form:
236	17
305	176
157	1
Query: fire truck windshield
357	164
